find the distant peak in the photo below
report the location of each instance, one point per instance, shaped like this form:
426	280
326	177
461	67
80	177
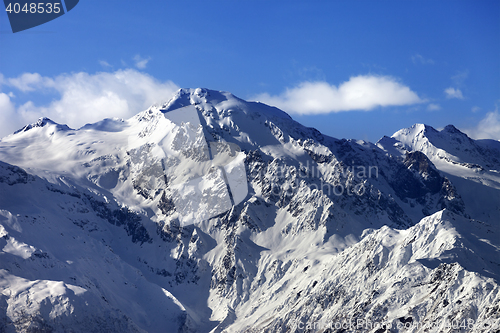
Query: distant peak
415	130
454	133
106	125
451	129
42	122
425	128
387	139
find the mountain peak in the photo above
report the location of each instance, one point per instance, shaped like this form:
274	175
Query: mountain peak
42	122
209	100
196	96
451	129
416	130
425	128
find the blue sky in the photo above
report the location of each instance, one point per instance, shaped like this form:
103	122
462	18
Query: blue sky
353	69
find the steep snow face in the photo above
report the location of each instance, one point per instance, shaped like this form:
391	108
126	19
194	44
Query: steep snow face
472	165
210	213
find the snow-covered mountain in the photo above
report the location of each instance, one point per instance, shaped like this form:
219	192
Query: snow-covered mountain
472	165
213	214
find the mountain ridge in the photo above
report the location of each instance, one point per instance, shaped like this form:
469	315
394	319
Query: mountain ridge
320	217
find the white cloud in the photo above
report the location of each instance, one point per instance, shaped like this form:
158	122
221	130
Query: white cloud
104	63
459	78
417	58
364	92
487	128
140	62
84	98
6	104
30	82
453	93
433	107
475	109
9	120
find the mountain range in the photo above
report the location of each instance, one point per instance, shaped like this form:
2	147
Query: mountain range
209	213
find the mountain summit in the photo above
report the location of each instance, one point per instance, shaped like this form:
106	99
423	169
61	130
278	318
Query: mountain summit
213	214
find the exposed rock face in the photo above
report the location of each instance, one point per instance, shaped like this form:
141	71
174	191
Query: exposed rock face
418	179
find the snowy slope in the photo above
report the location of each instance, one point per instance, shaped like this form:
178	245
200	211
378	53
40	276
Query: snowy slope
390	277
64	261
101	226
